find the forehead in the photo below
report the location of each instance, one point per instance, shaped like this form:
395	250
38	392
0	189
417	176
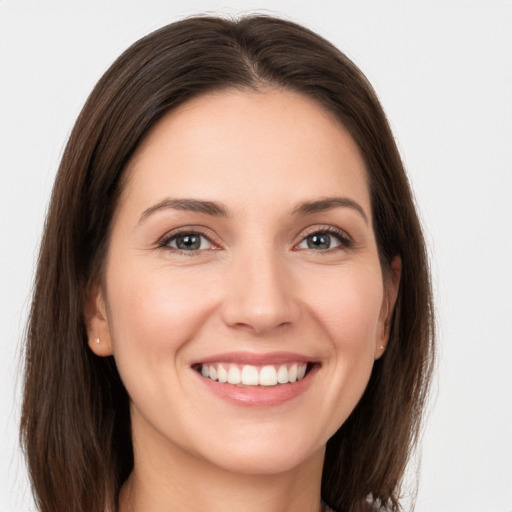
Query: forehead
247	147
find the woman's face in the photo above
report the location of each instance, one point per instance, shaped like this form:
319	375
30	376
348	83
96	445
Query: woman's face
243	298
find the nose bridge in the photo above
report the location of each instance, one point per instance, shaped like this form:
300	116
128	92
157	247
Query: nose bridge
260	296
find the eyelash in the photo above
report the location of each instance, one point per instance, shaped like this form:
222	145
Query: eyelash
169	238
345	243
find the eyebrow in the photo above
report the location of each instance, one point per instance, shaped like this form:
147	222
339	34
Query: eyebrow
329	203
218	210
189	205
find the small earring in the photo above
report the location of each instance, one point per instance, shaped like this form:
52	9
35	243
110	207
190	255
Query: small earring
97	341
382	347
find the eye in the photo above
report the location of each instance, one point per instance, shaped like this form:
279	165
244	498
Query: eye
188	241
324	240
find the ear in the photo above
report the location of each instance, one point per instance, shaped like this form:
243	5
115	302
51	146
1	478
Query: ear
96	322
391	286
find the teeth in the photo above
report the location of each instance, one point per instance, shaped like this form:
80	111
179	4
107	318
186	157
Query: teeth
268	376
251	375
222	374
292	373
234	376
282	375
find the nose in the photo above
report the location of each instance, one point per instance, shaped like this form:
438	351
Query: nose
261	295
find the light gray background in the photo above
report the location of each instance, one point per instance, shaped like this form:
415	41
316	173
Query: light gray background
443	71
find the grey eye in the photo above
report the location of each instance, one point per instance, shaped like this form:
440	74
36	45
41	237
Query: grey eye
321	241
189	242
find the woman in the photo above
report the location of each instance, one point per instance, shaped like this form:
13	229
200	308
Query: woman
232	306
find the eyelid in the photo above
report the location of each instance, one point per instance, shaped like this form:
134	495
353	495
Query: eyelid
163	242
346	241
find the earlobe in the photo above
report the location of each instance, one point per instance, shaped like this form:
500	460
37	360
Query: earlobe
379	351
96	321
391	286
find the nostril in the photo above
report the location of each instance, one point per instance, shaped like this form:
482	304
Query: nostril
244	317
260	297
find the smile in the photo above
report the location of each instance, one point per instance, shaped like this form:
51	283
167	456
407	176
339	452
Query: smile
249	379
252	375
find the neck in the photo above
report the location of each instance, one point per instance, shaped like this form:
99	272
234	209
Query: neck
181	482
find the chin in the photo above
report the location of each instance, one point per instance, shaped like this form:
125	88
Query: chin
267	461
264	451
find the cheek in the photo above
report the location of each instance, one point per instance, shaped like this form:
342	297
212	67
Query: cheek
348	310
155	311
348	306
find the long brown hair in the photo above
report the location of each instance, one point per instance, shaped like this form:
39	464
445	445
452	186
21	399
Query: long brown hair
75	425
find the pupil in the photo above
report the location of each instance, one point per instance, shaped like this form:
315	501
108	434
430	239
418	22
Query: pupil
319	242
188	242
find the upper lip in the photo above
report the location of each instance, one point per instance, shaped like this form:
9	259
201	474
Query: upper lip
256	359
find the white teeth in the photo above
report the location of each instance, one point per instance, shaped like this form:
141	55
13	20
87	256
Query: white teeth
222	374
282	375
234	375
292	373
251	375
268	376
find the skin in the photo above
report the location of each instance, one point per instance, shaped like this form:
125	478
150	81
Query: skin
254	285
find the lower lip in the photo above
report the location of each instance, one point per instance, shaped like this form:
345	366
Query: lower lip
259	396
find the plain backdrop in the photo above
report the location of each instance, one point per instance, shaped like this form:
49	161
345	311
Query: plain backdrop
443	71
